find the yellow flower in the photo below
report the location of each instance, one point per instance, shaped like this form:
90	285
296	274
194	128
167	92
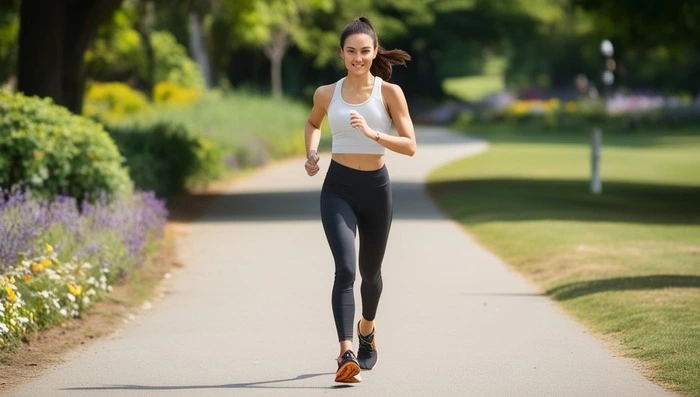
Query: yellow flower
12	279
49	248
11	294
75	290
45	262
37	268
27	278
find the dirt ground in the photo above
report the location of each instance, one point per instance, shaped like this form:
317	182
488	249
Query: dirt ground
49	348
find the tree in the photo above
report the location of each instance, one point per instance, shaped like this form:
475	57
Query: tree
53	38
285	23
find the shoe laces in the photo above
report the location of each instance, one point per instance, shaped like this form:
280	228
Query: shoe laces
366	345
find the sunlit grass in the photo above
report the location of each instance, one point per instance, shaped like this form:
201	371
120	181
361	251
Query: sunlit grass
626	263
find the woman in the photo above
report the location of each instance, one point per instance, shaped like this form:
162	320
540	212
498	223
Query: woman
356	193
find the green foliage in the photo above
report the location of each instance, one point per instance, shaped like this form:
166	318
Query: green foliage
249	128
9	33
119	53
172	64
51	151
165	158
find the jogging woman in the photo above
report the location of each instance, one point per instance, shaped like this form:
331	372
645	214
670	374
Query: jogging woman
356	194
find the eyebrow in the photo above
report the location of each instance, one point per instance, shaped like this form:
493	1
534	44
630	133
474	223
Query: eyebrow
364	48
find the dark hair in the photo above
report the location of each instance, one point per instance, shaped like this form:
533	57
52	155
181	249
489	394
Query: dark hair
386	59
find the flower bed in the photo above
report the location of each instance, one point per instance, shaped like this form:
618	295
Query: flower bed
57	258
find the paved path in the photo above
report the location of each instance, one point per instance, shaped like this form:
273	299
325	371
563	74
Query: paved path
250	313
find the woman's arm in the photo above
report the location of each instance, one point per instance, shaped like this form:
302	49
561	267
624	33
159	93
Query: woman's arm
397	106
312	129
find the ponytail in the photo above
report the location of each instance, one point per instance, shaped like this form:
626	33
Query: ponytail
383	64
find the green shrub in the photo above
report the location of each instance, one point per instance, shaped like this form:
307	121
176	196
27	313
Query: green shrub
171	62
166	158
46	148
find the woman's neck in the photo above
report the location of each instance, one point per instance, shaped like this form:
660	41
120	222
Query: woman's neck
357	83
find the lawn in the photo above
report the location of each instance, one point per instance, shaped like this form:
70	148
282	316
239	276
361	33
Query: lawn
626	263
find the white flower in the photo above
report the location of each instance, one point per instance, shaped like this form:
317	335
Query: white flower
2	308
91	280
23	320
86	300
56	303
63	312
52	274
87	265
3	328
70	297
91	292
44	294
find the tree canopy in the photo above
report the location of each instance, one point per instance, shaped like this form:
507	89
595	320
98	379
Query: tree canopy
290	45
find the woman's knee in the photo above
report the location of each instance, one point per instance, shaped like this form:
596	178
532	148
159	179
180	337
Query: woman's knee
344	273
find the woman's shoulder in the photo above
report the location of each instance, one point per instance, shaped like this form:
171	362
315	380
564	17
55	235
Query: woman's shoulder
392	92
324	94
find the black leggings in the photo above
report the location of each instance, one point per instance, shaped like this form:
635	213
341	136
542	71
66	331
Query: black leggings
354	200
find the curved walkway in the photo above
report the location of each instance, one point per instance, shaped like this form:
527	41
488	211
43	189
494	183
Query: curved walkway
249	314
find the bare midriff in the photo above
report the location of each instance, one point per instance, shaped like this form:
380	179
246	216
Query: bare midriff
361	162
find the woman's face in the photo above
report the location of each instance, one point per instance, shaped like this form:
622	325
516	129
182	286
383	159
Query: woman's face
358	53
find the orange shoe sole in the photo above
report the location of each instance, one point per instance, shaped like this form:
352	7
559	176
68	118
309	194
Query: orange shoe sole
348	373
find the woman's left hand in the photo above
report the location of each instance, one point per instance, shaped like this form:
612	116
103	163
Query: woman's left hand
358	122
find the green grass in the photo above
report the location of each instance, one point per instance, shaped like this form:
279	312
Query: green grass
473	88
626	263
476	88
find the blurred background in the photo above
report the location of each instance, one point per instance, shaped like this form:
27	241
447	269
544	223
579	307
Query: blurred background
495	58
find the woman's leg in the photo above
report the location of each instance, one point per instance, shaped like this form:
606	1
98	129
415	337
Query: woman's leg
339	224
374	223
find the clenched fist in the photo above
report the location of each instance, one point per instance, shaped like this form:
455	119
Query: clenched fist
311	164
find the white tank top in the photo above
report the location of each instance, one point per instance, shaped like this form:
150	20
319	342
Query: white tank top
349	140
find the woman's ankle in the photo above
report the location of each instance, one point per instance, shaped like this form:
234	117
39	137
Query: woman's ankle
366	327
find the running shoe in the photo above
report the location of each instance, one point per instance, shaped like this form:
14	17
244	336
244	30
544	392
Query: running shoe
367	352
348	369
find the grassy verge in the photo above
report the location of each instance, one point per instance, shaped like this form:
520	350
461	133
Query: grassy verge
626	263
254	128
473	88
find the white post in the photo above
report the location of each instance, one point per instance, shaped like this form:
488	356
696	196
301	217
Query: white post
596	142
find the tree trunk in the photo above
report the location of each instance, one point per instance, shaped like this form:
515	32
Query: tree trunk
53	39
275	50
40	60
197	48
145	29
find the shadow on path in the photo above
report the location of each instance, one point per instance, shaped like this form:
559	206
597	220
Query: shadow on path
302	205
248	385
582	288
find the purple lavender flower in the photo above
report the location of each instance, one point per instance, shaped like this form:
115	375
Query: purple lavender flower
24	220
